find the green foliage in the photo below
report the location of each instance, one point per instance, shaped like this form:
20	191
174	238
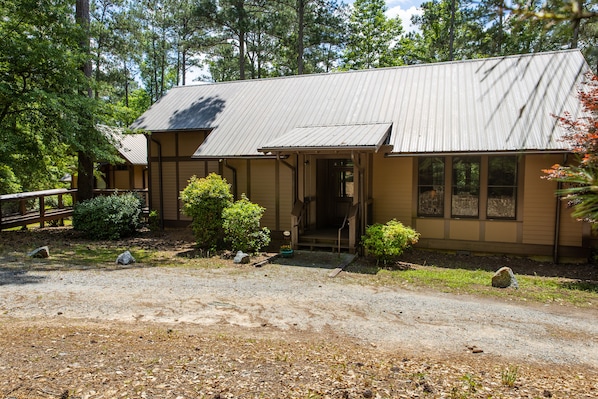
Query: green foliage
8	181
581	178
387	241
241	223
509	376
373	38
204	200
108	217
153	220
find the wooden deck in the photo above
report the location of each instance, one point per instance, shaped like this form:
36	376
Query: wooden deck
22	209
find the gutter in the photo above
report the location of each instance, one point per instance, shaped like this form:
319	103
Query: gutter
557	220
234	170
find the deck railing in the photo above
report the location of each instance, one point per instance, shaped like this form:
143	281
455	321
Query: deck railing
22	209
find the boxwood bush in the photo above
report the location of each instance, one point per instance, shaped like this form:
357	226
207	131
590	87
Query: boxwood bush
108	217
386	242
204	200
241	223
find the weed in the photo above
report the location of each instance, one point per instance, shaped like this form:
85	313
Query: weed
509	376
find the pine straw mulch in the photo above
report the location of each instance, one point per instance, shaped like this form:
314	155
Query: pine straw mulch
79	359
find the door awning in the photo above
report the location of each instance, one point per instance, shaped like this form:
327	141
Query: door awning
365	137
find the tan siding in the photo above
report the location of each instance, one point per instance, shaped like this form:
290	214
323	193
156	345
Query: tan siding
138	176
171	208
571	229
464	230
155	185
189	142
121	179
213	167
430	228
538	201
497	231
392	189
167	140
186	170
263	189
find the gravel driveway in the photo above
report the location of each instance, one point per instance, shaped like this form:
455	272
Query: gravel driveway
281	298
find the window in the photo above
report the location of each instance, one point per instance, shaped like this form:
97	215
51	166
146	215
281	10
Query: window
344	171
502	187
430	191
466	187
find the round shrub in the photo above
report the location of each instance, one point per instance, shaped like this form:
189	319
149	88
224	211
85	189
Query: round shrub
386	242
108	217
204	200
241	223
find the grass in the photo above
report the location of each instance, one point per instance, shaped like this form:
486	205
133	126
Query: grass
478	282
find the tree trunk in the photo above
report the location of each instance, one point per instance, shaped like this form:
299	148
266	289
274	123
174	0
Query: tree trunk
452	30
85	163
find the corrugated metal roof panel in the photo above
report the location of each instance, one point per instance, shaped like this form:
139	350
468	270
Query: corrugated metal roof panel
496	104
365	136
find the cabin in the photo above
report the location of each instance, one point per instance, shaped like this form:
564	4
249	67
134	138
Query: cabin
132	173
455	150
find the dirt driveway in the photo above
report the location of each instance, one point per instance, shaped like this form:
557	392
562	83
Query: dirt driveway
281	298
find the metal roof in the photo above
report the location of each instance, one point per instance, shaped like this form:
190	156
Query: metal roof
132	147
341	137
495	104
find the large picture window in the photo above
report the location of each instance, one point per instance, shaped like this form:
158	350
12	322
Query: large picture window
466	187
430	187
502	187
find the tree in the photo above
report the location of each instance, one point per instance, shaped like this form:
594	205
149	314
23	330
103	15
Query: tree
44	118
373	38
581	175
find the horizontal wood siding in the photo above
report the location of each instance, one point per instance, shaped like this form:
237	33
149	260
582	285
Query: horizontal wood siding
430	228
539	201
155	185
392	189
263	189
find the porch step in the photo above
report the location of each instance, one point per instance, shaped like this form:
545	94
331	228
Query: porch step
312	243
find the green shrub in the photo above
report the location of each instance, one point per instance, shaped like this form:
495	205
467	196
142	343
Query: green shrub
385	242
108	217
204	200
241	223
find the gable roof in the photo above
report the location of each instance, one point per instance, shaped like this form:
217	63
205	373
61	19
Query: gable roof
484	105
132	147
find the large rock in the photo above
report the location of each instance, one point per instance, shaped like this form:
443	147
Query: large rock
504	278
241	257
41	252
125	258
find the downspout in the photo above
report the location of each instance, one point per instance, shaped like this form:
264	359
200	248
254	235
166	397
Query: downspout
294	171
234	170
160	180
557	219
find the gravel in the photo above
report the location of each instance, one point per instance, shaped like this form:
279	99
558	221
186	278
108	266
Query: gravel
283	298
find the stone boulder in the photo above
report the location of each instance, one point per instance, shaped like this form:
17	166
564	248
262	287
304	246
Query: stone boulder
504	278
125	258
241	257
41	252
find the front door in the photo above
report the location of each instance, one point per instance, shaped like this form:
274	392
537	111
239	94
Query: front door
335	190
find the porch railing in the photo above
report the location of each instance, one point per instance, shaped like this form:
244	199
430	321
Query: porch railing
22	209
